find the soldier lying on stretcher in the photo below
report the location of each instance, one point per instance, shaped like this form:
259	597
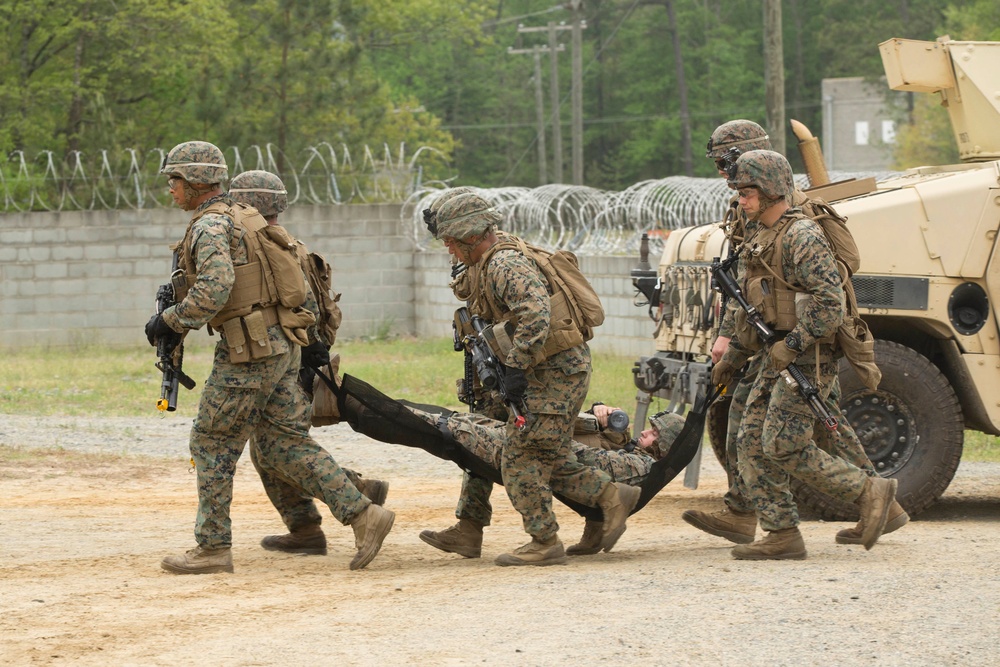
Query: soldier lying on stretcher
475	442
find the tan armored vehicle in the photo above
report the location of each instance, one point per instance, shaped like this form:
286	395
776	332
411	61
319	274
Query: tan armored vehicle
928	287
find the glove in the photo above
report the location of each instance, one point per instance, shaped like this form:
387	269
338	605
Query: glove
315	355
781	355
157	328
723	372
516	382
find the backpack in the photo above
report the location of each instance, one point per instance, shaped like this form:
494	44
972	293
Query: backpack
562	271
837	234
318	272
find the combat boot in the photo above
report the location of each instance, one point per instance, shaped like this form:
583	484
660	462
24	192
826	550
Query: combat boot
306	540
784	544
590	543
200	561
374	489
370	528
875	500
465	538
897	519
550	552
616	501
738	527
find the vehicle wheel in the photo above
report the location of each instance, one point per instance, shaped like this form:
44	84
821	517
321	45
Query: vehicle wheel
911	428
717	425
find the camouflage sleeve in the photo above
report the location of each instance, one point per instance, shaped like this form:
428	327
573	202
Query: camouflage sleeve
516	284
215	276
727	322
809	259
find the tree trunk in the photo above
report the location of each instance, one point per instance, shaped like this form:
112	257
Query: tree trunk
774	75
687	165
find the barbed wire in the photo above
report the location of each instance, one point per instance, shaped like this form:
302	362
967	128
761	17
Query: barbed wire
590	221
130	178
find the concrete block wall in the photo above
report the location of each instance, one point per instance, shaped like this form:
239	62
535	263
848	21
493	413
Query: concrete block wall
73	277
91	276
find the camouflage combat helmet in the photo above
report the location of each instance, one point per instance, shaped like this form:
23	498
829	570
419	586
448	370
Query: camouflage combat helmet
197	162
767	171
745	135
262	190
430	213
669	425
466	215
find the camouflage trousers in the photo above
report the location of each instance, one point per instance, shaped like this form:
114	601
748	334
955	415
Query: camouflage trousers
775	442
540	455
294	505
844	443
261	400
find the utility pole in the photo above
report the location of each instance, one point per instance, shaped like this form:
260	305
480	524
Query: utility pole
537	52
553	49
774	75
577	91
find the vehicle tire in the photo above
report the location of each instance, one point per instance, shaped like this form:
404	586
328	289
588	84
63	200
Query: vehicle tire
717	426
911	428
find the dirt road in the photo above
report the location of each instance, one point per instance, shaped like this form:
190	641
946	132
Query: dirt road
83	533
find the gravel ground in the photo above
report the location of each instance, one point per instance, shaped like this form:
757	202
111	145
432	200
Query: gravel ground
80	582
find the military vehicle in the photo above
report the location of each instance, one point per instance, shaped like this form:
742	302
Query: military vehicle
929	278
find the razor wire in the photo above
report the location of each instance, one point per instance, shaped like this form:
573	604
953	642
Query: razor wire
594	222
129	178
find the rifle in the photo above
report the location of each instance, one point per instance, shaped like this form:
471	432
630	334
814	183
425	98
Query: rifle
172	373
491	372
793	375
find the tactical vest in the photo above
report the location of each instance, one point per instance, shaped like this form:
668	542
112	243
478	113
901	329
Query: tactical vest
765	286
268	289
563	334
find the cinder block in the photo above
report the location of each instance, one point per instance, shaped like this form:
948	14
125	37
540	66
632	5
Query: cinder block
133	250
67	252
67	287
15	237
43	235
83	269
51	270
100	252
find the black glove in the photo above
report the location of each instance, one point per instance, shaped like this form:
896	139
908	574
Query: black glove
157	328
516	382
315	355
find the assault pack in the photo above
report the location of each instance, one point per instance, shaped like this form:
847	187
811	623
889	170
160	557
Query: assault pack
572	294
318	272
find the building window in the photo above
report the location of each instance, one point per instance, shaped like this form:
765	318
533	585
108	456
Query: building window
861	133
888	132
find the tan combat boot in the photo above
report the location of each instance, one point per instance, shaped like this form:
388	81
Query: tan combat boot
465	538
897	519
550	552
617	501
784	544
200	561
306	540
738	527
875	500
370	528
374	489
590	543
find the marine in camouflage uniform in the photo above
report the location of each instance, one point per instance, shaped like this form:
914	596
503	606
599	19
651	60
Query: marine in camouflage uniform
775	436
258	398
552	384
266	192
737	521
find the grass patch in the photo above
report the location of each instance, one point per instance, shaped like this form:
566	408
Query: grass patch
123	382
98	380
